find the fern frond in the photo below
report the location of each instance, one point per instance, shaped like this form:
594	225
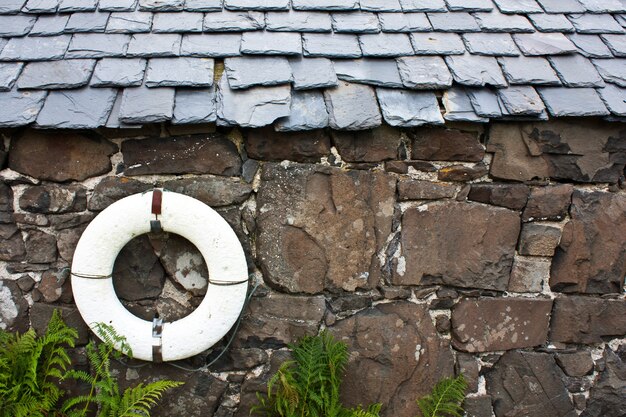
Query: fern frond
445	399
137	401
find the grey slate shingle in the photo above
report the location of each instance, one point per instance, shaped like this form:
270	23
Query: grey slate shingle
386	45
404	22
133	109
616	43
153	45
423	6
551	22
453	22
485	102
114	122
572	102
11	6
529	70
87	22
203	5
437	43
294	21
85	108
256	5
8	74
41	6
35	48
561	6
174	22
309	73
179	72
381	73
491	44
117	5
16	25
458	107
355	22
469	5
194	105
532	44
161	5
331	45
213	45
20	108
118	72
576	71
56	75
498	22
518	6
49	25
226	21
475	70
381	5
271	43
244	72
590	46
307	112
424	72
325	4
613	98
595	23
521	101
409	108
129	22
612	70
604	6
77	6
342	112
97	45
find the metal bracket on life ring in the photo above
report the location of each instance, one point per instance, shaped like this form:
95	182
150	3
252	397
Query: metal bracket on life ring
113	228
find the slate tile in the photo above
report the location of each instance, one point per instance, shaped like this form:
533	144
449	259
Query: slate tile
386	45
35	48
616	43
131	22
382	73
77	6
604	6
227	21
146	105
331	45
518	6
355	22
174	22
453	22
8	74
307	112
41	6
254	107
16	25
11	6
71	73
521	100
404	22
545	22
529	70
85	108
310	73
475	70
561	6
352	107
424	72
244	72
498	22
613	98
161	5
194	105
469	5
271	43
87	22
576	71
423	6
437	43
543	43
114	122
211	45
97	45
325	4
485	102
404	108
612	70
117	5
572	102
459	108
294	21
153	45
256	5
49	25
20	108
590	46
491	44
3	42
595	23
381	5
179	72
621	19
203	5
118	72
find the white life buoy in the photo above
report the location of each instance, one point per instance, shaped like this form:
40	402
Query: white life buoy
106	235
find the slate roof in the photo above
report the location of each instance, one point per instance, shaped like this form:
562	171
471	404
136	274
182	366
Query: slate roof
306	64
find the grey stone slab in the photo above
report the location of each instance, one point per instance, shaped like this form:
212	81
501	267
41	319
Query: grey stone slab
561	6
595	23
194	105
271	43
97	45
72	73
355	22
499	22
572	102
254	107
485	102
11	6
352	107
16	25
85	108
423	6
256	4
154	45
49	25
621	18
576	71
386	45
211	45
307	112
590	46
518	6
325	4
129	22
161	5
437	43
404	22
310	73
459	107
87	22
475	70
8	74
244	72
543	43
453	22
409	108
35	48
119	72
613	98
174	22
41	6
529	70
294	21
179	72
382	73
469	5
227	21
604	6
114	122
612	70
20	108
545	22
424	72
331	45
616	43
490	44
117	5
521	100
203	5
146	105
77	6
381	5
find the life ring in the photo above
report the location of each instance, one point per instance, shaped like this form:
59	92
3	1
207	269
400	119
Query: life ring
106	235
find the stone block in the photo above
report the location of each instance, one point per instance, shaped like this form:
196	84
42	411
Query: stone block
548	203
424	190
606	398
479	406
467	365
55	286
137	273
539	239
54	199
373	145
267	145
41	247
343	115
439	144
462	173
529	273
14	311
214	192
111	189
511	196
577	364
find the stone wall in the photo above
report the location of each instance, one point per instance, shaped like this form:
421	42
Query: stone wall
495	251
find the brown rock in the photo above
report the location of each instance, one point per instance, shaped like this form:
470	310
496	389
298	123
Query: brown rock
457	244
41	247
55	285
591	257
396	356
13	308
137	273
424	190
587	320
60	156
511	196
26	283
539	239
478	406
183	262
7	230
467	365
395	293
529	273
439	144
67	221
41	313
548	203
490	324
375	145
607	397
402	167
240	359
462	173
12	248
31	219
6	198
67	239
213	192
54	199
575	364
442	324
268	145
206	154
111	189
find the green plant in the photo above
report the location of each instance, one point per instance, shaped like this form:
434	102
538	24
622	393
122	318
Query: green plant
445	399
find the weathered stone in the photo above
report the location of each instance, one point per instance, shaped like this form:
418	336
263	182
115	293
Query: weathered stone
60	156
66	221
210	154
214	192
478	406
41	247
111	189
373	145
193	105
607	398
267	145
467	365
7	230
404	108
41	313
13	308
458	244
311	73
134	109
575	364
490	324
350	302
343	115
591	257
442	324
307	112
511	196
396	356
137	273
50	199
402	167
240	359
55	285
12	248
528	384
548	203
587	320
439	144
529	273
539	239
462	173
320	227
26	283
424	190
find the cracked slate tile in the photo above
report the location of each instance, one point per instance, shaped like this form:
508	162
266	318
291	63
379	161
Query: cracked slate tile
203	5
117	5
590	46
146	105
409	108
595	23
381	5
437	43
194	105
85	108
35	48
307	112
40	6
485	102
491	44
352	107
561	6
174	22
572	102
179	72
423	6
616	43
153	45
118	72
113	122
271	43
543	43
612	70
424	72
518	6
77	6
256	5
213	45
310	73
132	22
404	22
469	5
331	45
325	4
161	5
8	74
381	73
97	45
16	25
294	21
386	45
475	70
613	98
20	108
355	22
545	22
576	71
604	6
459	107
498	22
528	70
226	21
72	73
244	72
521	101
87	22
453	22
11	6
49	25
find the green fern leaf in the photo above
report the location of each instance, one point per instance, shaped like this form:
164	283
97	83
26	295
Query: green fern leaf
445	399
